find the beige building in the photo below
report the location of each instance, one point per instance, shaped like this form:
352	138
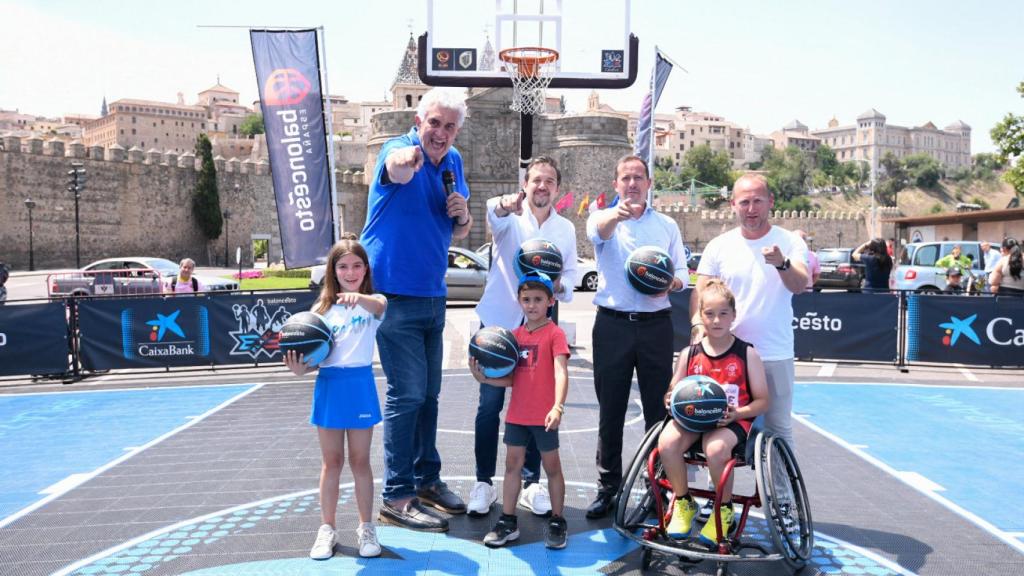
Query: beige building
871	138
795	134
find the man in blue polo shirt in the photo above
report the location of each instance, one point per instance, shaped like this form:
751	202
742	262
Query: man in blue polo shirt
410	223
632	331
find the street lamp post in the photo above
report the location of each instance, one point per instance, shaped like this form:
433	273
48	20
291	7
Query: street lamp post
76	182
227	216
30	204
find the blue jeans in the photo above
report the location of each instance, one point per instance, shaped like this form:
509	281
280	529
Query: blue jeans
488	413
409	341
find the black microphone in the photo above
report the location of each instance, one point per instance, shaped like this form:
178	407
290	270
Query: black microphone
448	178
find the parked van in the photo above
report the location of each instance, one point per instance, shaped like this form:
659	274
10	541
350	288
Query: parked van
916	268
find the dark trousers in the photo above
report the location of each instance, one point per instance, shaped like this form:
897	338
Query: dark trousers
621	346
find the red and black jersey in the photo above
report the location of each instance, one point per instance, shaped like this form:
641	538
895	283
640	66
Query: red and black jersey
728	369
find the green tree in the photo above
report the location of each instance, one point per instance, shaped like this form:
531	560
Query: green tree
788	173
826	160
711	168
894	177
1008	136
252	125
923	170
205	199
665	177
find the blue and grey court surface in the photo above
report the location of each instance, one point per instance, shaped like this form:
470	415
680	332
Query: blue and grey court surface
219	480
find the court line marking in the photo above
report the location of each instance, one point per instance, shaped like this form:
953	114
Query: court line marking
131	388
967	373
60	489
911	385
827	370
901	476
885	562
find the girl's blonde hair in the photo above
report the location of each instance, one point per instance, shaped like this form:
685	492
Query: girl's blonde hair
717	287
332	287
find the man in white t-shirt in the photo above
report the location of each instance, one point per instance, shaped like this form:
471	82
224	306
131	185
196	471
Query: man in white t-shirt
511	225
763	265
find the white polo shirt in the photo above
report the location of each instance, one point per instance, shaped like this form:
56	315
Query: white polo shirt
499	305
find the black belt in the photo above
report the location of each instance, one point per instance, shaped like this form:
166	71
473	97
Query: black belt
635	316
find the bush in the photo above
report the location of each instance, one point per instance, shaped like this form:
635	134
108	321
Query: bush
295	273
980	202
937	208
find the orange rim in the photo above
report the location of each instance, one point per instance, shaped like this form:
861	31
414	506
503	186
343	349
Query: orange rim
528	59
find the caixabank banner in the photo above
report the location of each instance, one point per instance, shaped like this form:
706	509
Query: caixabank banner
186	330
980	330
33	339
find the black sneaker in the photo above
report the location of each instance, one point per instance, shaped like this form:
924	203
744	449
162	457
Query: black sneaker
440	497
506	530
413	516
556	534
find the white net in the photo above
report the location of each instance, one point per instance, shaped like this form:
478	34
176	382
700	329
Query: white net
530	70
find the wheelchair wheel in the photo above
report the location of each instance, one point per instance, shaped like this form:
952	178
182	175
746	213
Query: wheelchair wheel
784	497
635	500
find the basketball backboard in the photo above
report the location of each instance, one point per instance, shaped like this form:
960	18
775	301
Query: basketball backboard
592	38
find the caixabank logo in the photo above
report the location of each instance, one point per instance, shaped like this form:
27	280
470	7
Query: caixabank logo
165	336
999	331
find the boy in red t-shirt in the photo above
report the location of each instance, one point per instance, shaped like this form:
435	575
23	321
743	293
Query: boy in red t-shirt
539	384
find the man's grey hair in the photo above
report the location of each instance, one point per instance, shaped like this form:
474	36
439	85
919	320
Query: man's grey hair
186	261
447	99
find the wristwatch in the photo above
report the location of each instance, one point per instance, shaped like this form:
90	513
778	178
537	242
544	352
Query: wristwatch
784	267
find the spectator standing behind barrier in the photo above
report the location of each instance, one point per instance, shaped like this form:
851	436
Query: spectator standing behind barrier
1007	277
184	281
954	258
877	265
632	331
410	223
954	280
813	266
511	225
763	265
991	256
4	275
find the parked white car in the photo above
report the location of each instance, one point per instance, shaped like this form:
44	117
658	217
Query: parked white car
916	268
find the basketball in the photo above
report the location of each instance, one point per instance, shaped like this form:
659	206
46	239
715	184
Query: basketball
698	403
496	349
538	255
308	334
649	270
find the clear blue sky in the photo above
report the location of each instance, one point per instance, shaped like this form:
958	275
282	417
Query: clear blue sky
759	64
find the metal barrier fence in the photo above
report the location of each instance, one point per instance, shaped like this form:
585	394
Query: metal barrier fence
75	336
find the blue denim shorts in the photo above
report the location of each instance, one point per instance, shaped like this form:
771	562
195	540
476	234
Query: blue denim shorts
519	435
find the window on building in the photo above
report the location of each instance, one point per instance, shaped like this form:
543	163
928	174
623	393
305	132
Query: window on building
133	119
133	131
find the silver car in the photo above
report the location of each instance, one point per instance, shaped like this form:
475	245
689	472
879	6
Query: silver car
916	268
126	276
466	275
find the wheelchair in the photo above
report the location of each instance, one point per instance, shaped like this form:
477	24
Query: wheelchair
644	505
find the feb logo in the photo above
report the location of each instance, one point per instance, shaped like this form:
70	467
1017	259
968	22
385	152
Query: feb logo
285	87
957	327
690	410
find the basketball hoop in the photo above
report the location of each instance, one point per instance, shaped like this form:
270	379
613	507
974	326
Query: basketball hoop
530	69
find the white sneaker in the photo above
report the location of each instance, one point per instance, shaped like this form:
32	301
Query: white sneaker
369	547
323	548
535	499
481	498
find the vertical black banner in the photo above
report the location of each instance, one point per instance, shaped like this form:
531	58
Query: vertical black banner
288	73
33	339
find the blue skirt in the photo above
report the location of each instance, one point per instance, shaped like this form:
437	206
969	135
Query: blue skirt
345	398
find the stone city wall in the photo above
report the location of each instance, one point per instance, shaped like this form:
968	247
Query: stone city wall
135	203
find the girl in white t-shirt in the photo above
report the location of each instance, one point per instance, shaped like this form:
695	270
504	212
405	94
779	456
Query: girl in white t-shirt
345	404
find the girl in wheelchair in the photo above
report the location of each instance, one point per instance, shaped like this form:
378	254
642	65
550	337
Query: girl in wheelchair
735	365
